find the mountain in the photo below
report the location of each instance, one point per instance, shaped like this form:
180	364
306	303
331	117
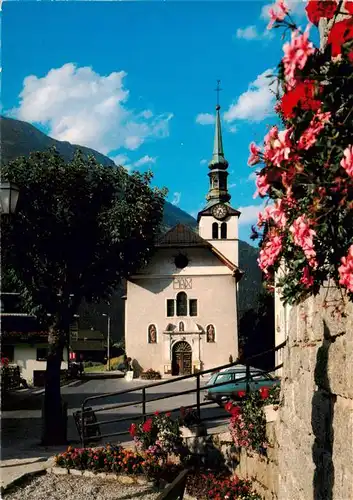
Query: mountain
19	138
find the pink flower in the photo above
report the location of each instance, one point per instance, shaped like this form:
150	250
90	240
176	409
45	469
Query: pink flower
303	237
262	185
296	54
270	251
254	157
346	270
277	15
347	160
274	212
306	278
278	146
309	136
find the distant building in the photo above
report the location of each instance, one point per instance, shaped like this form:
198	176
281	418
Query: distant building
23	341
181	310
87	345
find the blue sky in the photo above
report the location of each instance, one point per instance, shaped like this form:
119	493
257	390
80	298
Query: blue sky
135	80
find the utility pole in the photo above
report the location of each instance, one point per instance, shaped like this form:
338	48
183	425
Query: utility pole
108	341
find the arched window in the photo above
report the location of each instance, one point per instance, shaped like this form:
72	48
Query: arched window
215	231
182	304
223	231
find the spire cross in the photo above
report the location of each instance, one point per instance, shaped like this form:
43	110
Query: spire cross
218	89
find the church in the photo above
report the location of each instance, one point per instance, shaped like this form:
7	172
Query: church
181	309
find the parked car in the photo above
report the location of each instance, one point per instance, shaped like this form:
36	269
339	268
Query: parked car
236	376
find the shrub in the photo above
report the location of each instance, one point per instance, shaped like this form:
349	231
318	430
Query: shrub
220	485
189	417
151	375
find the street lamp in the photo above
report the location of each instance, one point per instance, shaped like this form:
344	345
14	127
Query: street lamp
108	346
8	197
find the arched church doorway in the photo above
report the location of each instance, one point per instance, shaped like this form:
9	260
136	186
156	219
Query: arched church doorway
181	360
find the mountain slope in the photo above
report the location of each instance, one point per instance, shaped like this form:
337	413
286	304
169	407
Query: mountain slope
19	138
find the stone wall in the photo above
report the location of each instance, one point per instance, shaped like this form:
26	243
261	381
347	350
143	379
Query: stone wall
315	425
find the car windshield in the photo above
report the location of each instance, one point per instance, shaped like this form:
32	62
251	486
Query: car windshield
224	377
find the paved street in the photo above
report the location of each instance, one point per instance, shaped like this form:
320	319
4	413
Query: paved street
21	429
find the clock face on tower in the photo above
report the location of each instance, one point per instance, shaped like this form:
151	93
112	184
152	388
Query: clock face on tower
219	211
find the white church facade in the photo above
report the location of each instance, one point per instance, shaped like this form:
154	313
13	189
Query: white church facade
181	310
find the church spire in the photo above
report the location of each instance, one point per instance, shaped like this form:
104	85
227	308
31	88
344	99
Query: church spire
218	165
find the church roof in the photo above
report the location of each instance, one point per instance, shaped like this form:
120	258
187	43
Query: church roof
181	235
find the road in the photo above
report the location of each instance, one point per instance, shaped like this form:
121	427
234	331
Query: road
21	429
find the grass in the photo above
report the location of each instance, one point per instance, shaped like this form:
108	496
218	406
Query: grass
103	368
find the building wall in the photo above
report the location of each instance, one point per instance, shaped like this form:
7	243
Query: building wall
282	312
146	304
315	425
25	356
228	247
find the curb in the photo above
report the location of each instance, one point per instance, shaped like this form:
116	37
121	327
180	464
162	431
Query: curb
22	479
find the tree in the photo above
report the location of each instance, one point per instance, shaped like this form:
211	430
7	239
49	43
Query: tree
80	228
307	168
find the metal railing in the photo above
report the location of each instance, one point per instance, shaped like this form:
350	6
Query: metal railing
89	427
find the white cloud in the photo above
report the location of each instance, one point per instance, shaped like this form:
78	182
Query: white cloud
176	199
145	160
296	7
256	103
231	186
120	159
233	129
83	107
252	176
205	119
249	214
203	161
251	33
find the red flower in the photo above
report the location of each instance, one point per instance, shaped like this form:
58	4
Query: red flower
349	6
340	33
241	394
302	94
228	407
132	430
156	413
168	414
316	9
264	392
147	426
235	411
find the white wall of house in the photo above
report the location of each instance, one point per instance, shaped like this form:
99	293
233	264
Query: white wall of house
281	321
214	287
25	356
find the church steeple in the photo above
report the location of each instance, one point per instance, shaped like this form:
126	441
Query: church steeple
218	191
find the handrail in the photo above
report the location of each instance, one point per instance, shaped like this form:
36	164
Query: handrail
143	388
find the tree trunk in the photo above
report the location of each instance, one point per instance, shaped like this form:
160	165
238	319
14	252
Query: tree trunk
54	431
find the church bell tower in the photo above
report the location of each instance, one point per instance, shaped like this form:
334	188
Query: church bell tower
218	221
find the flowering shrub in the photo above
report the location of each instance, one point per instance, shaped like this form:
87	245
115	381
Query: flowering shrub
248	421
219	486
306	169
151	375
159	435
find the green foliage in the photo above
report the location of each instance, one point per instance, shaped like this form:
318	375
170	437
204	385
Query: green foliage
80	228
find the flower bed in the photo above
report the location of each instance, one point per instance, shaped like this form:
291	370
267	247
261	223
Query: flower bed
115	460
219	486
151	375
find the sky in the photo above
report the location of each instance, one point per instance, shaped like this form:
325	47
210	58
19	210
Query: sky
135	80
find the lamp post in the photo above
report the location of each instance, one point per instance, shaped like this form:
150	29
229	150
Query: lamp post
9	193
108	343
